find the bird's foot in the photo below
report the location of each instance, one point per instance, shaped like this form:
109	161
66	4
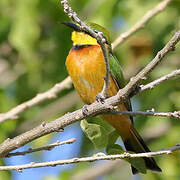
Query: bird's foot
100	98
135	91
85	110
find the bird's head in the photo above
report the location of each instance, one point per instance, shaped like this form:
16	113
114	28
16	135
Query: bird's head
80	37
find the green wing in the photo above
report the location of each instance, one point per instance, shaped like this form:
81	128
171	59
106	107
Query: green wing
116	70
117	74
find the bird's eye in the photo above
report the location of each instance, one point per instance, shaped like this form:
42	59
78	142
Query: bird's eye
96	31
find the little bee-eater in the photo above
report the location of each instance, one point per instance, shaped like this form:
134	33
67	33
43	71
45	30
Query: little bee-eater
86	67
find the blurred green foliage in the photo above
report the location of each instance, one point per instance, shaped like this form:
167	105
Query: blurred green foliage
33	49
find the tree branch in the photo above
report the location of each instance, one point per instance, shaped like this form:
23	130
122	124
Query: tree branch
92	110
50	94
43	148
97	157
141	23
175	114
160	80
134	81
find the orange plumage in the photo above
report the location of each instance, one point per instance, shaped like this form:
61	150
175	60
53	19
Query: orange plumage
87	68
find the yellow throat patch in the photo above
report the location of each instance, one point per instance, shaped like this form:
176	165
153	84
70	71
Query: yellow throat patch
80	38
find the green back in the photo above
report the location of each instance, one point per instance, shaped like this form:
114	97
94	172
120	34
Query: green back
116	72
99	28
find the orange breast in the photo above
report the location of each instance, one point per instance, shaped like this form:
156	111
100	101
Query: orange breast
87	70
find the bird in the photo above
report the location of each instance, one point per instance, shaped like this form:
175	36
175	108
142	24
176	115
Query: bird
86	66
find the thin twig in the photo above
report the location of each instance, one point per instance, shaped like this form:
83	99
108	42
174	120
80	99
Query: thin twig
43	148
98	36
97	157
50	94
92	110
160	80
154	83
175	114
141	23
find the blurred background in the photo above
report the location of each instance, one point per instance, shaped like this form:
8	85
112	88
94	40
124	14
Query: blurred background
33	49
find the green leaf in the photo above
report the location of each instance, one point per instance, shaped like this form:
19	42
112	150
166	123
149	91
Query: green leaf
138	163
112	137
96	133
114	149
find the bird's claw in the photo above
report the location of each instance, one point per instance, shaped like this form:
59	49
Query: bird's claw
85	110
135	91
100	98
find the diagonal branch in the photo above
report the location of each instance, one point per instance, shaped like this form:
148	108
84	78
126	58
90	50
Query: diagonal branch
97	157
50	94
141	23
92	110
160	80
43	148
134	81
156	82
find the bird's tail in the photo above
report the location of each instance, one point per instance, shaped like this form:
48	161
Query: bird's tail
136	144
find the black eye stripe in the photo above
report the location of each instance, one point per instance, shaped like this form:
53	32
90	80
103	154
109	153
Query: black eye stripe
78	29
72	25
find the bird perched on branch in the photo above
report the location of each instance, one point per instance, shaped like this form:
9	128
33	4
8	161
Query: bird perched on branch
86	67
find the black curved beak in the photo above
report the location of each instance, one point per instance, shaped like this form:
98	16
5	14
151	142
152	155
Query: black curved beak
73	26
